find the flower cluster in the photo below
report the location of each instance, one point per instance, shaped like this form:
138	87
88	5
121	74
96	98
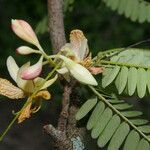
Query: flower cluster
29	84
72	60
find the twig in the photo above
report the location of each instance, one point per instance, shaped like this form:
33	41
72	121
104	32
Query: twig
56	24
57	34
62	123
60	139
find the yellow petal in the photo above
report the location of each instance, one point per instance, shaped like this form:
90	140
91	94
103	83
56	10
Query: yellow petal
26	113
9	90
43	94
37	106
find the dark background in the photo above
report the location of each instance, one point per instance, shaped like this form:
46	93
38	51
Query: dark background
103	28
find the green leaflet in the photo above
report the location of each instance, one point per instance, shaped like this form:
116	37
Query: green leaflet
137	57
119	136
148	13
132	80
141	82
109	131
110	76
112	101
144	128
128	10
136	10
107	71
108	124
114	4
108	3
104	0
142	14
131	113
95	115
139	121
124	55
102	122
86	107
132	141
148	79
122	7
121	79
133	74
124	106
143	145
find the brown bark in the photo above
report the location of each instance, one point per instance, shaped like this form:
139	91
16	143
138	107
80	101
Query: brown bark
56	24
62	123
66	123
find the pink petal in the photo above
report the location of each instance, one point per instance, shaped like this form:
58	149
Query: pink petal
33	71
96	70
23	30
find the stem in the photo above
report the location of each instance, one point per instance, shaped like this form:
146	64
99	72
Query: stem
118	112
46	56
51	73
122	64
7	129
13	121
103	54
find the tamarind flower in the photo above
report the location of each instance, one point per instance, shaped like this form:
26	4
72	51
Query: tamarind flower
79	72
78	47
23	30
25	88
77	50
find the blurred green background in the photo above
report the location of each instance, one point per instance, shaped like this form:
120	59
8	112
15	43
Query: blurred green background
103	28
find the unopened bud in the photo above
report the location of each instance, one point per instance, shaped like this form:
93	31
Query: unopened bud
79	72
23	30
33	71
25	50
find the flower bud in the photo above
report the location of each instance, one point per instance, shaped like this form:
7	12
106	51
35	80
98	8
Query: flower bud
26	85
79	72
33	71
25	50
23	30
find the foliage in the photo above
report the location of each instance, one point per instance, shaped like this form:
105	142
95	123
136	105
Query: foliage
71	61
111	120
68	5
136	10
128	68
115	122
